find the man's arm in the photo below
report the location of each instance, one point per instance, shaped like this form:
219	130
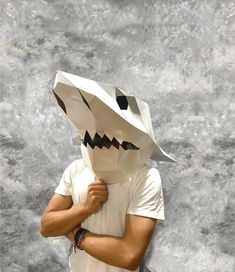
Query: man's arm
124	252
59	218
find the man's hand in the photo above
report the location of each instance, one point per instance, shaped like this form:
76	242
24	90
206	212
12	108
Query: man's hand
97	195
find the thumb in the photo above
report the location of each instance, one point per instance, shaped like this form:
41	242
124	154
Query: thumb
98	181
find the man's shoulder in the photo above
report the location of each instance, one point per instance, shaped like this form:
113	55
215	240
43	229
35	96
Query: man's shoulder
148	174
147	170
76	166
77	162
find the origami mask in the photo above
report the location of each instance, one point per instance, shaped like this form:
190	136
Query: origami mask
115	129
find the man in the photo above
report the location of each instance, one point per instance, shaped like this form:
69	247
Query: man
107	203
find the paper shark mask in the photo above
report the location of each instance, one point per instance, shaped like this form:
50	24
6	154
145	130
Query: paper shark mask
115	128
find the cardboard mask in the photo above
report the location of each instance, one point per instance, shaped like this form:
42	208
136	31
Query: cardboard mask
115	129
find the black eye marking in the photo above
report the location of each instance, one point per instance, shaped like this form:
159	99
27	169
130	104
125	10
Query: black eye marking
122	102
60	102
84	100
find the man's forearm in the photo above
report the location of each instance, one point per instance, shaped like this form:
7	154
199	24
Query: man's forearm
71	234
112	250
58	223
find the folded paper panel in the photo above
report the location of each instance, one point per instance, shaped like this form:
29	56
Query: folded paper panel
110	89
61	79
111	121
133	106
92	87
119	91
76	140
136	120
145	116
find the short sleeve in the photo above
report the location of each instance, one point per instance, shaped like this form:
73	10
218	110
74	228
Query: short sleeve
65	184
147	195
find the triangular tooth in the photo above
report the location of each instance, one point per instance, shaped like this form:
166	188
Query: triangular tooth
119	140
92	133
91	146
106	141
82	133
98	141
86	139
105	138
123	145
109	135
115	143
101	134
89	140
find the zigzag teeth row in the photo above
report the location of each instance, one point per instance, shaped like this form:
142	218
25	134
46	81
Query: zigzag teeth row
105	141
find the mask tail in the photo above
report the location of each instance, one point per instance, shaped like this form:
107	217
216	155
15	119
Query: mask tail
160	155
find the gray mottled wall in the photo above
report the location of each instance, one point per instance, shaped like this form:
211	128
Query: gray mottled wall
176	55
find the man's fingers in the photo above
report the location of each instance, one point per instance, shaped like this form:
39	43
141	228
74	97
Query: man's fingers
99	198
98	193
105	200
97	187
92	188
98	181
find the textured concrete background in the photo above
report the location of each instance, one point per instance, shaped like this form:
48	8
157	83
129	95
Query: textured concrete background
176	55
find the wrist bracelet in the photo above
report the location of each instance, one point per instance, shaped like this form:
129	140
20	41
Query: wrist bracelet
78	237
81	237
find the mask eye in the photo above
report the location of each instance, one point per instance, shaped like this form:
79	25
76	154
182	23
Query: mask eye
122	102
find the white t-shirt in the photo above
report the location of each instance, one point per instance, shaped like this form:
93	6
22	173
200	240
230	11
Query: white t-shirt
142	195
